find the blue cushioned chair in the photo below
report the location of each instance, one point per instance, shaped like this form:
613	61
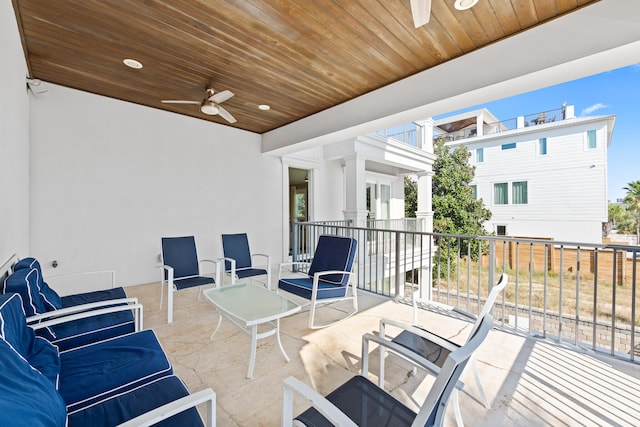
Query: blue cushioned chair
181	268
102	384
238	260
328	278
435	348
119	315
359	402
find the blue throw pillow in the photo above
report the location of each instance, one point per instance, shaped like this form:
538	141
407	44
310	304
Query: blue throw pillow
37	351
51	299
27	398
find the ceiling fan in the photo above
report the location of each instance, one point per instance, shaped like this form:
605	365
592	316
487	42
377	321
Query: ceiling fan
421	10
210	105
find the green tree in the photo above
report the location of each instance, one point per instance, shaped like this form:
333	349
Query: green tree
455	211
632	198
410	197
622	218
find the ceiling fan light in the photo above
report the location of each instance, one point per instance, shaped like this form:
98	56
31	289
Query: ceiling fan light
465	4
209	108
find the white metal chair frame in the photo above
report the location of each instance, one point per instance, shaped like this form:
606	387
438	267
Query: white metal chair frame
313	302
438	392
233	269
486	309
171	288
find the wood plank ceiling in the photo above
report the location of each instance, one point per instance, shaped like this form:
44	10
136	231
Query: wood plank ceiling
298	56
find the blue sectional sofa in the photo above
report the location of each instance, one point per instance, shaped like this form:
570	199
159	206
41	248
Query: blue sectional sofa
123	379
113	313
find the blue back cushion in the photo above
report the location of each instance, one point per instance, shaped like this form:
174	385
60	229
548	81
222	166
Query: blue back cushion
27	398
236	246
37	351
51	299
180	253
334	253
25	282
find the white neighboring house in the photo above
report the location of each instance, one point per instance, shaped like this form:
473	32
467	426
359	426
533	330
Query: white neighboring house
542	175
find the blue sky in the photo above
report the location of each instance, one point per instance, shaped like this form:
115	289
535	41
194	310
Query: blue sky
615	92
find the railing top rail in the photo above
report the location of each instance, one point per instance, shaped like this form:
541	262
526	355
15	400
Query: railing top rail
627	248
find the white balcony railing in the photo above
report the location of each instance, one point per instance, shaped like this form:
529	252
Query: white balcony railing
578	293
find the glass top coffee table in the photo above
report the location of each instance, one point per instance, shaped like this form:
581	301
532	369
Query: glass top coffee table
247	306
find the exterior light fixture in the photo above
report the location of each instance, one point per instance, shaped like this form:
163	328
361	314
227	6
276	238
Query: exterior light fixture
264	107
465	4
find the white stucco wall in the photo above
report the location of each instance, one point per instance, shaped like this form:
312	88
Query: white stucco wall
110	178
14	139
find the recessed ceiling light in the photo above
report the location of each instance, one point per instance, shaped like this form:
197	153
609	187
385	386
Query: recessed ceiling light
132	63
264	107
465	4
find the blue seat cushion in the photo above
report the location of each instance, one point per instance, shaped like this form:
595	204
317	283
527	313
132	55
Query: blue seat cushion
333	253
92	329
95	296
50	297
27	398
365	404
97	371
38	352
250	272
89	330
190	282
123	407
302	286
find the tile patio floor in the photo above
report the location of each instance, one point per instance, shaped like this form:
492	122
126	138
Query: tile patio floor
529	382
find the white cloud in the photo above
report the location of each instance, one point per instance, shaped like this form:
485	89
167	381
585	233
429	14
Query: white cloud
593	108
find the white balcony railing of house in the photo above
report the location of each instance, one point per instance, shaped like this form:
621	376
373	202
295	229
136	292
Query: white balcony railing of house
573	293
407	133
505	125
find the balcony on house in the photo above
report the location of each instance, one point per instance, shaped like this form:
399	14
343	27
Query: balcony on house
564	348
481	122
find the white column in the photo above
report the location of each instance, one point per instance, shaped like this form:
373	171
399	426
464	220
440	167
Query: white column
424	211
355	191
480	124
425	135
570	112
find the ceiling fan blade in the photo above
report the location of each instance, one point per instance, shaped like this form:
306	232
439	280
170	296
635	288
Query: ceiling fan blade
421	11
179	101
221	96
226	115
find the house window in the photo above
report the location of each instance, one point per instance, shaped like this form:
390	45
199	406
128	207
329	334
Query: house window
510	146
378	200
480	155
591	139
542	146
501	230
519	193
474	191
500	193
